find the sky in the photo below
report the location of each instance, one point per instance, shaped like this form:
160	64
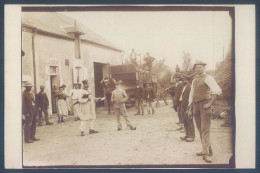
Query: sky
165	35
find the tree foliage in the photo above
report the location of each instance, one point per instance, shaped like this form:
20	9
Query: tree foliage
187	62
223	76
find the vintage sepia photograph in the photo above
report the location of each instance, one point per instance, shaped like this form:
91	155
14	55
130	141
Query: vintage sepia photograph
128	87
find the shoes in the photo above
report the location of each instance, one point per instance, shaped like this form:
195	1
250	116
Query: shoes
182	131
207	158
132	128
119	129
178	123
29	141
78	118
202	154
59	119
189	139
142	113
92	131
62	120
49	123
35	139
179	128
183	138
137	114
82	133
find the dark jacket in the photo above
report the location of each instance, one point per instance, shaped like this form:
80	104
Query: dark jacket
41	100
109	86
178	91
172	90
185	97
139	93
149	91
27	103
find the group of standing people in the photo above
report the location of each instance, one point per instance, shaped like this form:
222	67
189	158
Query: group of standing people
193	101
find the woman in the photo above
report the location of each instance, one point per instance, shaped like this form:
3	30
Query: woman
62	105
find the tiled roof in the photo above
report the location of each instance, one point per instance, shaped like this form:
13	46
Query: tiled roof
59	24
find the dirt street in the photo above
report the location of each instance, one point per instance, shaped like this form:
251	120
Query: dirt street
155	142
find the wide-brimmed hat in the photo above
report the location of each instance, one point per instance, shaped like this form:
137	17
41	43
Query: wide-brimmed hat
27	84
63	86
42	87
199	63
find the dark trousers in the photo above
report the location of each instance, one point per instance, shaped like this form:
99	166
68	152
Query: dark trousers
46	116
188	123
203	122
179	112
140	106
29	127
108	97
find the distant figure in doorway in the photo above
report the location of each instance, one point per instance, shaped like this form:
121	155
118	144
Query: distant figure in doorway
108	86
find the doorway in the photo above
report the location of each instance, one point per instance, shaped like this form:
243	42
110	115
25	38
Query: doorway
54	90
98	76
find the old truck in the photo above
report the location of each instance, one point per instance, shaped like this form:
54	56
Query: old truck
129	74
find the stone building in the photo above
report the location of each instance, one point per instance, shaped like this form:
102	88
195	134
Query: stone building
59	50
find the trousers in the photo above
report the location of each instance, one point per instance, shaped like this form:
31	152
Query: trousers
188	123
118	112
29	127
150	106
179	113
203	122
140	106
76	109
83	124
108	98
46	115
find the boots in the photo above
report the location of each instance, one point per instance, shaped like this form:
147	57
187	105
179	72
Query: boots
59	119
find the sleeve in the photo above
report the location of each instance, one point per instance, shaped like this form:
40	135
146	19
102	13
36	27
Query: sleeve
47	100
212	84
191	94
125	95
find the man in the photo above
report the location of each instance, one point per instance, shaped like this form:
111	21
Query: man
188	121
139	96
109	86
177	104
149	97
29	112
42	104
119	98
88	109
149	61
160	93
75	94
204	91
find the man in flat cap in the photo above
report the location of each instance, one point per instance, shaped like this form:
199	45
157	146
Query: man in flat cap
204	91
42	104
119	98
29	111
187	121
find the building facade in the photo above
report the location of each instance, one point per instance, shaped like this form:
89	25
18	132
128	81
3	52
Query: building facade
59	50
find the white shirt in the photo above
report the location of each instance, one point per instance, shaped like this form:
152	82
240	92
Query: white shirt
75	94
212	84
183	91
